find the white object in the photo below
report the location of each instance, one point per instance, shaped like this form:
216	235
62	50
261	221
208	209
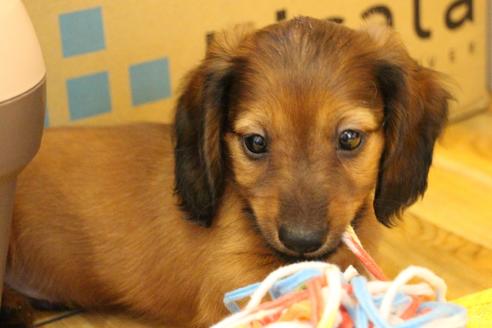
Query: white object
21	61
22	106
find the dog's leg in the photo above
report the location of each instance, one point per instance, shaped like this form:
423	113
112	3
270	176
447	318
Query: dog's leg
16	311
225	277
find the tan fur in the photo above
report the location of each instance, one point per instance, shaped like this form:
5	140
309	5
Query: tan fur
97	222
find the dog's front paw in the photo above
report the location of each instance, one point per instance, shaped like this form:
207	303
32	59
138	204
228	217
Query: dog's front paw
16	312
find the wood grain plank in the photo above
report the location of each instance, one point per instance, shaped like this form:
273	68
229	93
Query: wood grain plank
459	197
465	266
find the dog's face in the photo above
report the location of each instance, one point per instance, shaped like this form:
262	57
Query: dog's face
304	157
315	125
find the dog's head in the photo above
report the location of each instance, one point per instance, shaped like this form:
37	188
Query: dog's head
314	124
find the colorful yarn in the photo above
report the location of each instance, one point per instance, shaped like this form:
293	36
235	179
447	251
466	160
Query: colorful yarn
318	294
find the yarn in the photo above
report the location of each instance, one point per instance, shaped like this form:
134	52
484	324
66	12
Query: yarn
318	294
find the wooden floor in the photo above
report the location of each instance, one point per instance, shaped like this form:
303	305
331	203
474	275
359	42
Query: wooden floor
449	232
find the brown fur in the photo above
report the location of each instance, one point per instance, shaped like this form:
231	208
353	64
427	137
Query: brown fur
98	224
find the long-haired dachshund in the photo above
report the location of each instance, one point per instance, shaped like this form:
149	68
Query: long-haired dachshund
282	137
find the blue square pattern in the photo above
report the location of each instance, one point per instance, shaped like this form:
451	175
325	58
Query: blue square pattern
88	95
150	81
82	32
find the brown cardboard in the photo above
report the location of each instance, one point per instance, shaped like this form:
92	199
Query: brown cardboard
448	35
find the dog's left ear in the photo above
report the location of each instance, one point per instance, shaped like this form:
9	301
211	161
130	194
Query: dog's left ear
415	111
200	121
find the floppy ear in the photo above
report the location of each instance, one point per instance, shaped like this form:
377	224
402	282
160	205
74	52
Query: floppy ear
201	117
415	111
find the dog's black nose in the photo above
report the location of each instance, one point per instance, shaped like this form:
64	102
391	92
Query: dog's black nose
301	241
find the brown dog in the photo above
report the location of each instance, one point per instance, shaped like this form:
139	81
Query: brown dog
282	138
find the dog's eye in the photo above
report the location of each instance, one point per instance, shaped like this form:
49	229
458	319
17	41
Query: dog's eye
255	144
349	140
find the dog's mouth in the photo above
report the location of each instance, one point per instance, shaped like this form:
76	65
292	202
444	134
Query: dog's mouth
288	256
323	254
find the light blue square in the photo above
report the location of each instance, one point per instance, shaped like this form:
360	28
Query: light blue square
82	32
150	81
88	95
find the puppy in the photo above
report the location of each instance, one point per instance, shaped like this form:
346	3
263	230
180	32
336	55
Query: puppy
283	137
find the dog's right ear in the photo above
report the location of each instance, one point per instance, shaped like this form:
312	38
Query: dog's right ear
200	121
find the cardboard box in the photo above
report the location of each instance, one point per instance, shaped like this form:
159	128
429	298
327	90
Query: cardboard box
117	61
